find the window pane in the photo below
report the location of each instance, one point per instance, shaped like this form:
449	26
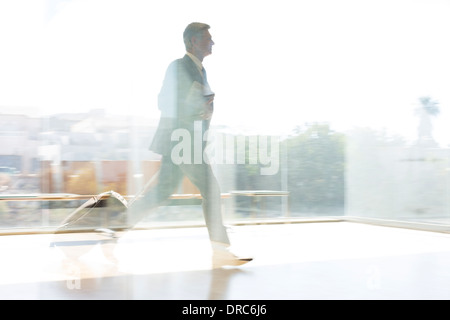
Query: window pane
324	108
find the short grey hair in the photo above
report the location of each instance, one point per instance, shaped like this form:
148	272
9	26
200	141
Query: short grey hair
193	29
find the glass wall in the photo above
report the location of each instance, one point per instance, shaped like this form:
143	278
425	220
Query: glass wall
322	109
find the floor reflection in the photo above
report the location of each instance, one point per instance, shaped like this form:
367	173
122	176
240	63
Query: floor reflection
298	261
127	267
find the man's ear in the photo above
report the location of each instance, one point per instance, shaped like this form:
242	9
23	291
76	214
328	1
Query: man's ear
194	40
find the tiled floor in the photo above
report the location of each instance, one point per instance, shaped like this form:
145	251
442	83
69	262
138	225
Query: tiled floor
334	260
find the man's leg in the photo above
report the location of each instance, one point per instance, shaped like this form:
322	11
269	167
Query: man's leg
202	176
169	178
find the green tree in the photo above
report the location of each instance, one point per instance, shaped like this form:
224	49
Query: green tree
315	169
430	106
316	166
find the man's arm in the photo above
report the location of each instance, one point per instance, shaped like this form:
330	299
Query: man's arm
167	98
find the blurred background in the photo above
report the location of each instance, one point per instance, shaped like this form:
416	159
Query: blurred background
354	94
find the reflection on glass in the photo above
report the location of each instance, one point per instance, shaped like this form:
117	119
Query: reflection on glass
346	116
392	179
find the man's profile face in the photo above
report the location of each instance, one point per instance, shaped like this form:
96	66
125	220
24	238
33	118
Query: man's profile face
204	43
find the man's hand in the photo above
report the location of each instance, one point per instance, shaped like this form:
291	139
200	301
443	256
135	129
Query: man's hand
207	112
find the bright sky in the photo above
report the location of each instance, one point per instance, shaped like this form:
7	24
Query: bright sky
275	65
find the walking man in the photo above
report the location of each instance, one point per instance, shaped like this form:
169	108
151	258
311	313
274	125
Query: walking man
186	103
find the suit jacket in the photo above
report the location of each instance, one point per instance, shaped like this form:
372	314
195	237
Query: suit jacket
181	100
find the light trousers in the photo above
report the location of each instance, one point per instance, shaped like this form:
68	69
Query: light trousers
170	176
